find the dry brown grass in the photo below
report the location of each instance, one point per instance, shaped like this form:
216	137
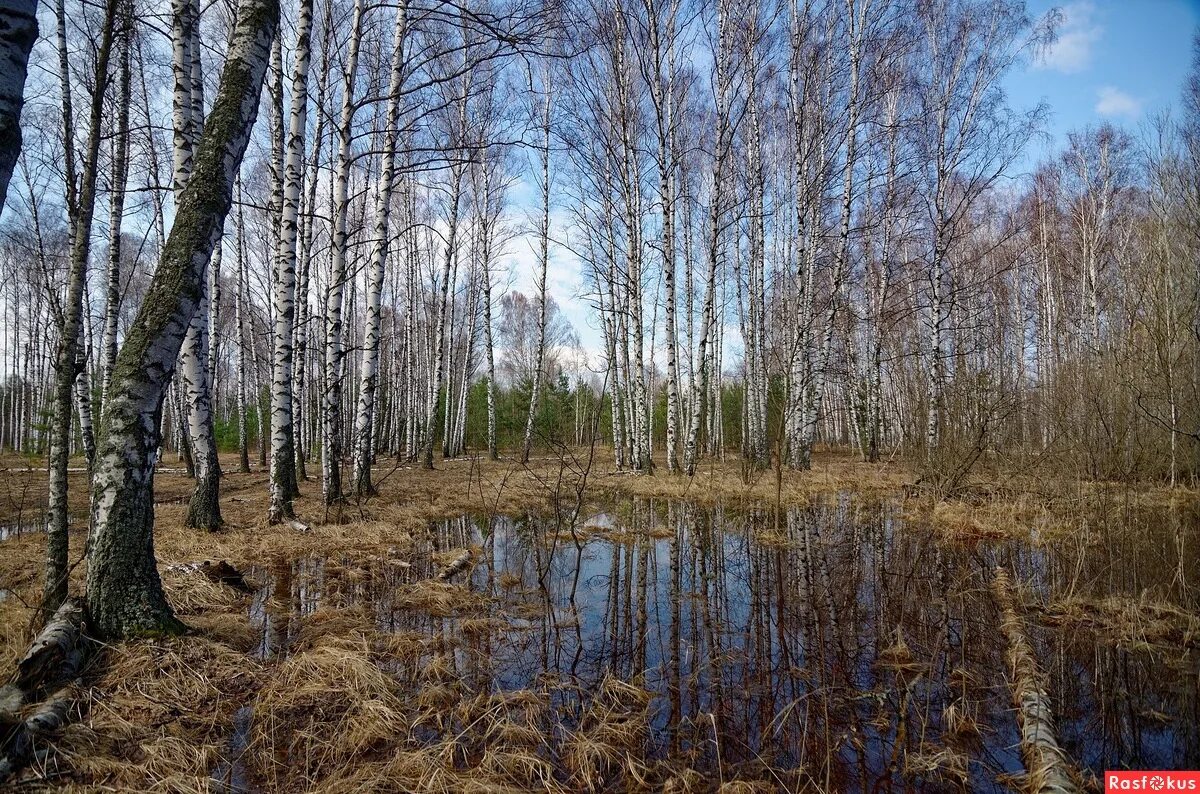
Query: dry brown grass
1136	623
353	708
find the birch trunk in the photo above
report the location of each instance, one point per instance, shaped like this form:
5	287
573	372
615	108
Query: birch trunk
125	594
331	457
369	371
283	453
486	274
662	90
535	393
120	173
204	507
242	341
855	21
204	511
440	332
18	23
301	424
81	208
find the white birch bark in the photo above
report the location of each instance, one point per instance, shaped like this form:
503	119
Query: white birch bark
242	341
855	21
700	384
535	392
120	173
485	266
204	510
369	369
331	429
662	93
81	210
283	455
440	332
124	591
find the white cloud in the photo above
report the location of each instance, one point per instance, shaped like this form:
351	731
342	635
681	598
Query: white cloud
1072	50
1115	102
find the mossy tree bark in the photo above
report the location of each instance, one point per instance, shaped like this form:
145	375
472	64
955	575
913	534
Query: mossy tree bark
18	30
125	594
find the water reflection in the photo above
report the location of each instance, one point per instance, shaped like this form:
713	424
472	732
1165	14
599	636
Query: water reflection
16	529
835	641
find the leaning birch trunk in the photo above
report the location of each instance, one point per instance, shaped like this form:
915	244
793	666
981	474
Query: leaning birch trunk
18	20
44	674
331	426
369	371
81	206
125	594
283	442
1046	763
535	392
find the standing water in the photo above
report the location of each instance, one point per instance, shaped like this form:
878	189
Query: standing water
838	645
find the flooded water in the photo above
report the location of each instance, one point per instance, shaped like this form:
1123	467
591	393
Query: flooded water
837	641
16	529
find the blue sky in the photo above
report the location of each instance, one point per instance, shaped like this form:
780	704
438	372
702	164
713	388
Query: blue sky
1115	60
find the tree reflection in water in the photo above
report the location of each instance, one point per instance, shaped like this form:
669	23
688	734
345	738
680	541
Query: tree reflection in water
834	644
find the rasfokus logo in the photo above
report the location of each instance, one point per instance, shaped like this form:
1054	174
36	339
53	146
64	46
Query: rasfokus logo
1158	780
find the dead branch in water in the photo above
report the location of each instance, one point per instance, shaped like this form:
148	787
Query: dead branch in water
457	566
1046	763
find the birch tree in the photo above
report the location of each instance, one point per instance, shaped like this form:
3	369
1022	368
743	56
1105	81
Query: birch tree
125	594
331	428
81	202
364	423
283	453
18	21
543	243
204	510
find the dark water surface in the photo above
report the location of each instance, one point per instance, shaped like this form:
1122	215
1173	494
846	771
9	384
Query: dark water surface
839	639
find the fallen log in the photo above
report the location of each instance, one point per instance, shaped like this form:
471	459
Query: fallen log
456	566
47	719
55	655
54	658
1046	764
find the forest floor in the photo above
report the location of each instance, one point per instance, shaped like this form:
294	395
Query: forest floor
326	709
